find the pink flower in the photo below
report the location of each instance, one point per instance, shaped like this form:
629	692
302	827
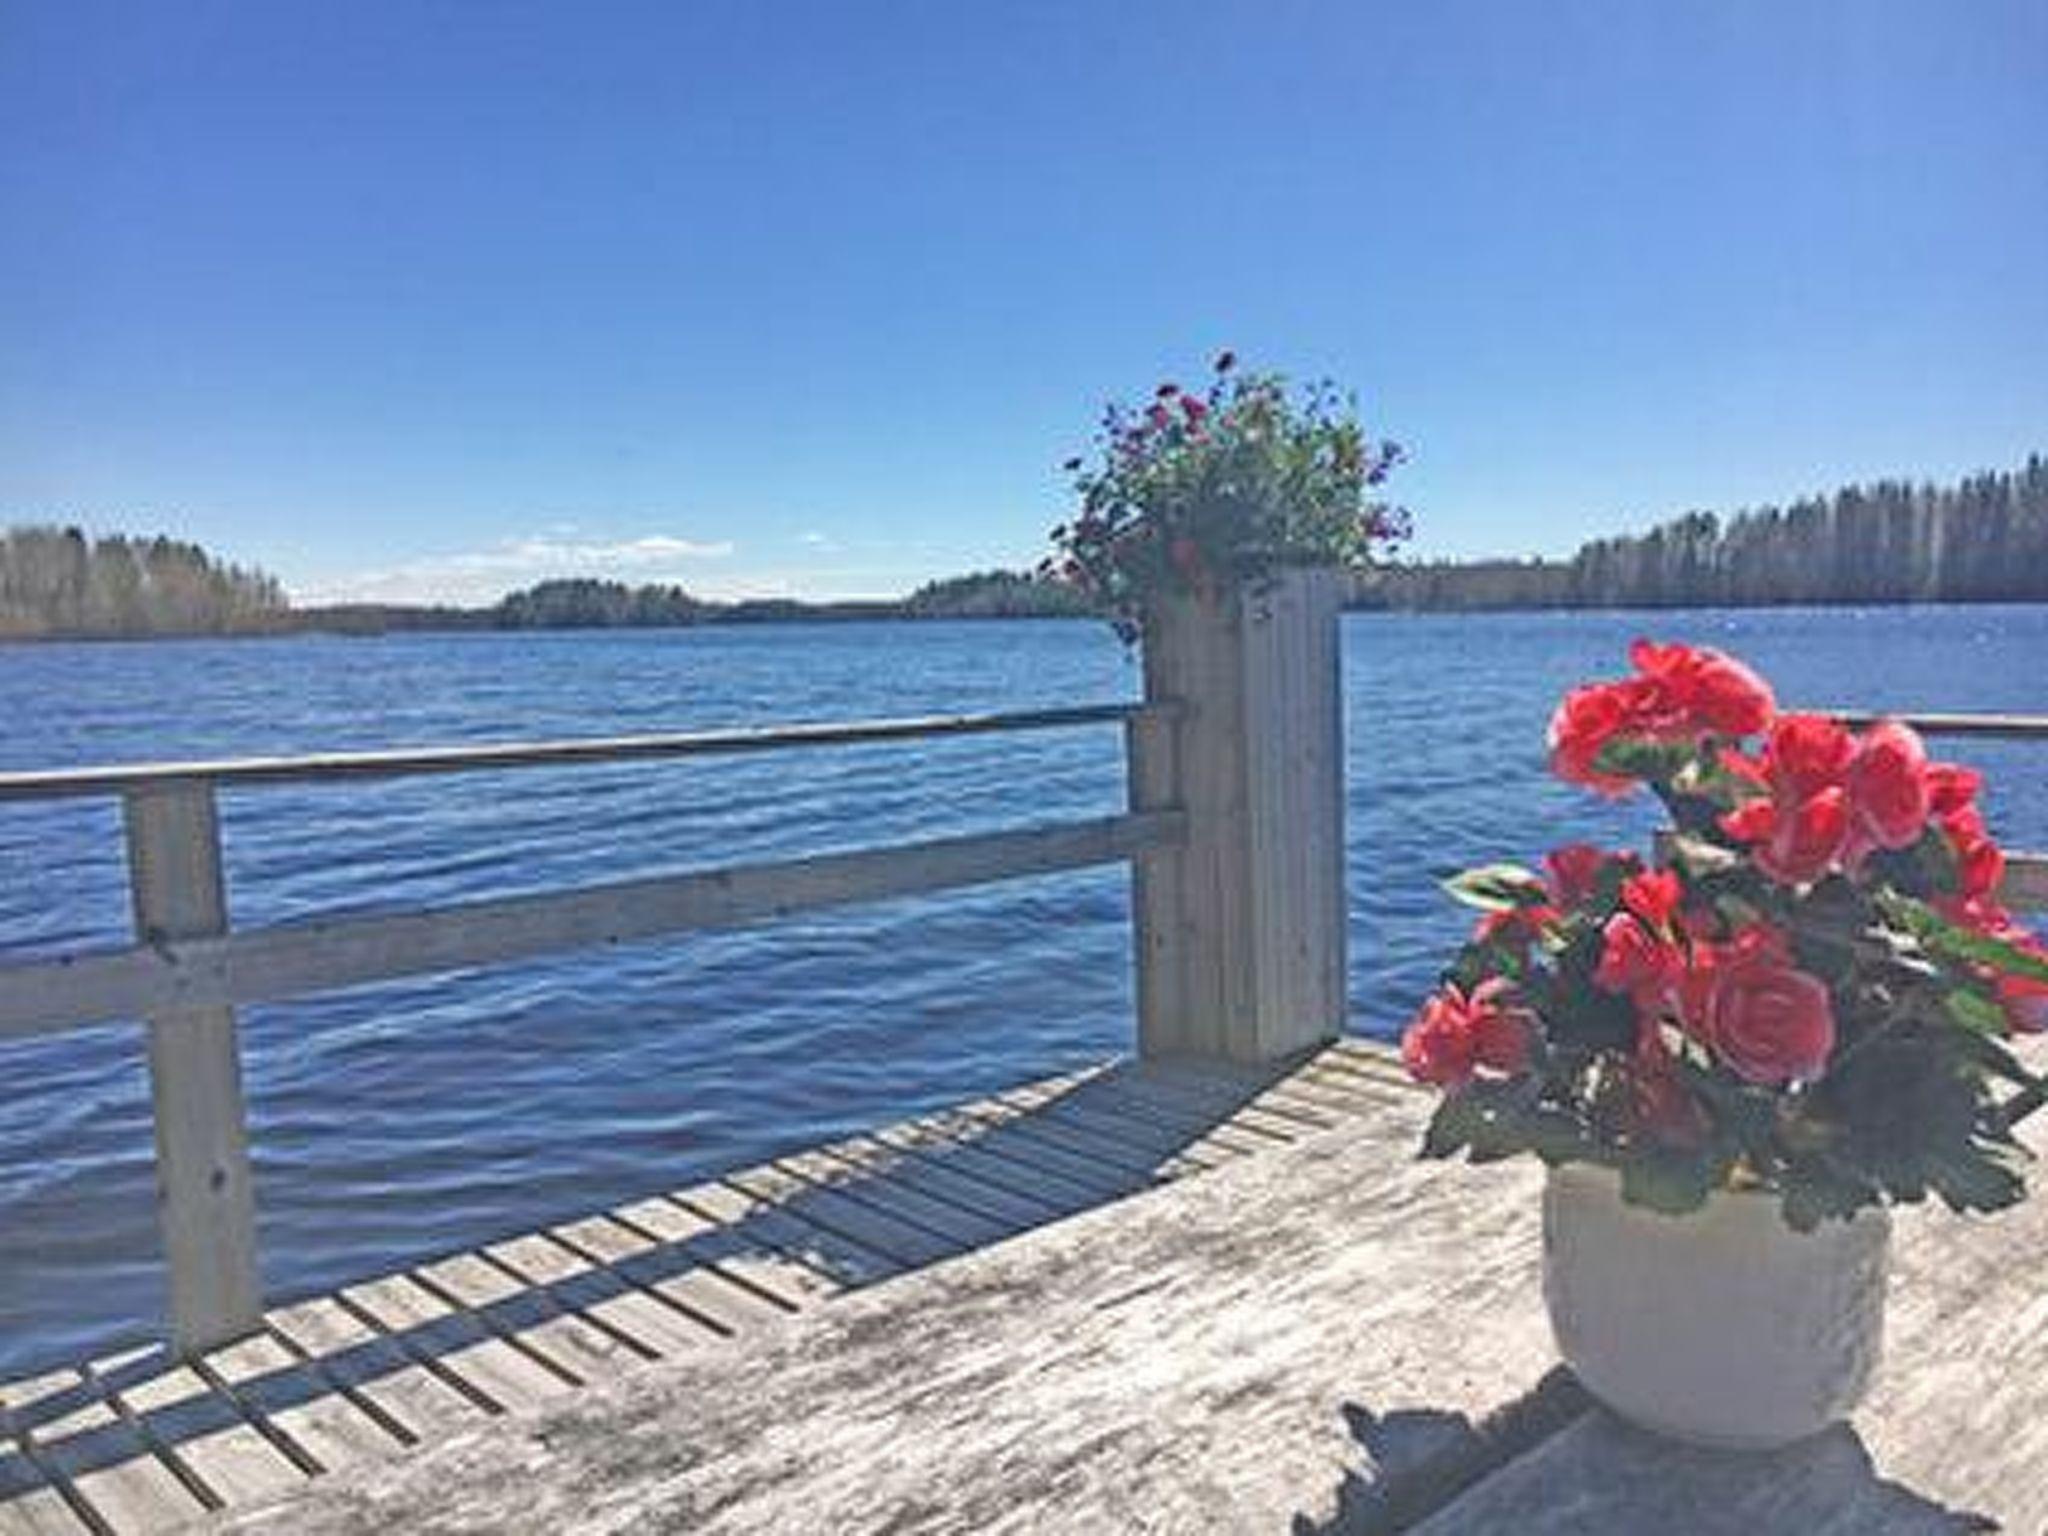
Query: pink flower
1456	1035
1653	896
1573	871
1680	693
1889	797
1637	963
1770	1022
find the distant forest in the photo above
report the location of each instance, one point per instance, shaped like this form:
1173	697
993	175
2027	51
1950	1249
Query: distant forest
1984	540
54	581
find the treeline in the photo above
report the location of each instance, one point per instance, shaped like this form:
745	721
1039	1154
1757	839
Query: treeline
587	603
57	582
1984	540
997	595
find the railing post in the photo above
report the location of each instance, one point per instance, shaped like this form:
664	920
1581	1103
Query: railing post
1240	934
205	1196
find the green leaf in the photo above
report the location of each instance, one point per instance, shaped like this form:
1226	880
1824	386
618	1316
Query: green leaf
1697	856
1975	1181
1669	1180
1634	758
1975	1012
1497	888
1959	943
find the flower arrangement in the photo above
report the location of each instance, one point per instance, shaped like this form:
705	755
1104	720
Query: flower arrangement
1194	490
1809	990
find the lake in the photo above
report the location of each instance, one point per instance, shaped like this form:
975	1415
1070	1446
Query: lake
400	1121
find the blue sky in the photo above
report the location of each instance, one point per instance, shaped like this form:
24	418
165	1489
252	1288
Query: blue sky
427	300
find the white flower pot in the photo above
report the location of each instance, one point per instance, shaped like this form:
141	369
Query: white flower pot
1725	1327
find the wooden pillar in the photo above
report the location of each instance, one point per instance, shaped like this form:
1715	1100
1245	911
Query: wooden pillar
205	1196
1241	932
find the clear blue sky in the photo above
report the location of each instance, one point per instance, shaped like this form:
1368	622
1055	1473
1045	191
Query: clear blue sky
429	300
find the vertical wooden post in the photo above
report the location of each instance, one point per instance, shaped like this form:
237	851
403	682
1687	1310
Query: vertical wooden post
205	1196
1241	932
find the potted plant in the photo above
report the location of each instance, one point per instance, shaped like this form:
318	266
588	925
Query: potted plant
1197	495
1734	1055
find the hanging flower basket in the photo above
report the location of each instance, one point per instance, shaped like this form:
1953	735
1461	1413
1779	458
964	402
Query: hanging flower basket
1205	493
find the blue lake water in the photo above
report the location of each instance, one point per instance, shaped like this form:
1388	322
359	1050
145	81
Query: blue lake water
405	1120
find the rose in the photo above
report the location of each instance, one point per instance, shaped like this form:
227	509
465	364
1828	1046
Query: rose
1635	962
1653	896
1572	873
1586	720
1770	1022
1679	693
1887	784
1457	1034
1699	690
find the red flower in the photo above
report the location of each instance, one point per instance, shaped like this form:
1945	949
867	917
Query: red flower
1637	963
1679	693
1159	417
2024	1000
1805	754
1704	690
1573	871
1457	1035
1806	839
1653	896
1950	788
1980	864
1194	409
1586	720
1660	1107
1514	925
1770	1022
1889	797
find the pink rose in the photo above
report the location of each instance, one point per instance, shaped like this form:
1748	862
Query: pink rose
1635	962
1770	1022
1653	896
1888	789
1805	839
1573	871
1456	1036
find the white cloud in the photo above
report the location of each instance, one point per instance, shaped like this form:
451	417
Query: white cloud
484	575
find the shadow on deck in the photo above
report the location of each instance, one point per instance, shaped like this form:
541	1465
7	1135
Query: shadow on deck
142	1441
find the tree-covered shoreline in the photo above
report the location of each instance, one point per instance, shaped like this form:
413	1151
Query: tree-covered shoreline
1981	540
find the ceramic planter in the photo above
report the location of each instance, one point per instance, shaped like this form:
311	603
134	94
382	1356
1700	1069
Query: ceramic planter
1726	1327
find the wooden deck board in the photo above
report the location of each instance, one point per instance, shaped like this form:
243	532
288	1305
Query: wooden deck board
406	1359
182	1416
79	1438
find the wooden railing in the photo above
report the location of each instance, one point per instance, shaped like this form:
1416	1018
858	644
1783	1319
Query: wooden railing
189	970
1234	831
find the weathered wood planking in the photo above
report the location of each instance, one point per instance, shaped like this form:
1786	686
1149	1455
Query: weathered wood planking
407	1359
206	1199
1303	1333
1332	1338
321	954
1240	929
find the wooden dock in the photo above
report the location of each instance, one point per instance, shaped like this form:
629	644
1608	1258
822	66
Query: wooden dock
142	1441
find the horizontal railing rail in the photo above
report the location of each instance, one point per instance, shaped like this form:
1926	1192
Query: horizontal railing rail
62	783
257	965
189	970
1998	727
